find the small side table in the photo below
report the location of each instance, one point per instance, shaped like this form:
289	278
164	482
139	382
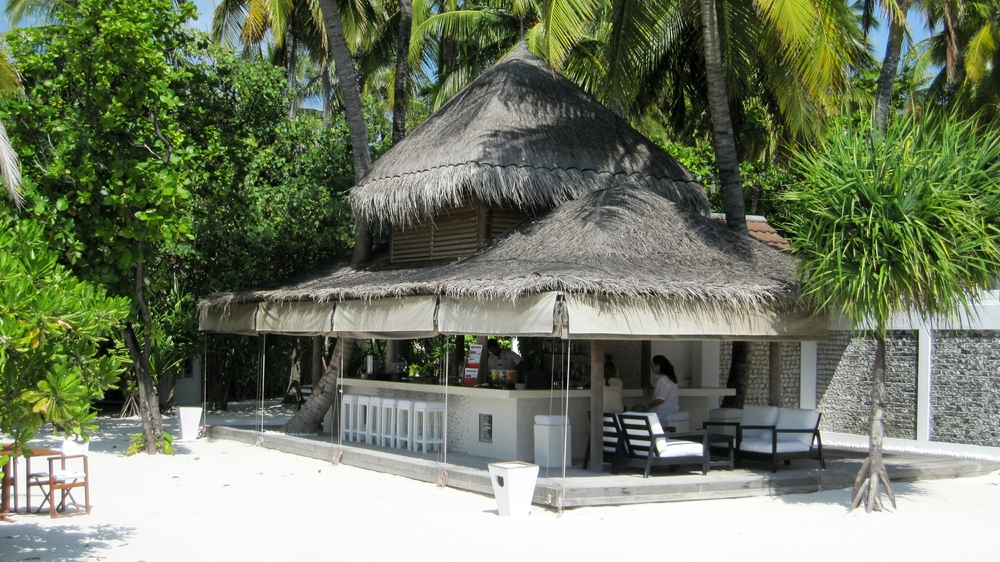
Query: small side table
718	441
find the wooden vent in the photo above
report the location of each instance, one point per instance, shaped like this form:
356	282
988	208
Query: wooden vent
448	237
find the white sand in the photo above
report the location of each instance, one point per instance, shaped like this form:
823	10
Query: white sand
220	500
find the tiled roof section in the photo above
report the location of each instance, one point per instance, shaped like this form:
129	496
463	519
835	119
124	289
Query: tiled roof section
759	230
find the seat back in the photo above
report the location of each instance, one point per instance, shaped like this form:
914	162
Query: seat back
759	415
610	434
638	428
72	447
797	418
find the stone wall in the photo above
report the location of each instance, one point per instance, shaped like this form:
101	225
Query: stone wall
843	385
758	387
627	356
965	391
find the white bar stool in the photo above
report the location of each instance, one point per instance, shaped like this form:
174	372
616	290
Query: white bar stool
348	418
374	411
404	417
361	418
427	415
387	423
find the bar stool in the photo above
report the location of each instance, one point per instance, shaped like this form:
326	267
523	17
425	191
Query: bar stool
374	410
404	417
348	418
361	418
425	416
387	423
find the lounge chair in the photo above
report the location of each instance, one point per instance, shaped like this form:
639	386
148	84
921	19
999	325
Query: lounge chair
611	443
645	440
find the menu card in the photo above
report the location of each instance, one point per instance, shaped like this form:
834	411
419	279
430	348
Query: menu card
472	365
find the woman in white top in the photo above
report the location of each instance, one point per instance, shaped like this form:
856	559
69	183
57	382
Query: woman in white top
666	395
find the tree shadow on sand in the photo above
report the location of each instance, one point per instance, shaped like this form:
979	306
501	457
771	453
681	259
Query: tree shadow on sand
31	541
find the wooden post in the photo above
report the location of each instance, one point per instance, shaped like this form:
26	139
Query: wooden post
645	359
774	374
597	406
484	361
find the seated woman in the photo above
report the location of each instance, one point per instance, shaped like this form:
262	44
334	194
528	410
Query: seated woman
612	390
666	395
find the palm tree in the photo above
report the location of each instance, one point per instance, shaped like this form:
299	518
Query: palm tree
966	52
293	25
10	166
904	222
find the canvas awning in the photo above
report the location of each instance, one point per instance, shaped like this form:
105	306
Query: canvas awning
295	318
531	315
403	318
651	318
234	319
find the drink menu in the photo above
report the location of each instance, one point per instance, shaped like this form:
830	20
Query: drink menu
472	365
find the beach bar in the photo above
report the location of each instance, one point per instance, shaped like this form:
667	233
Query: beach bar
525	208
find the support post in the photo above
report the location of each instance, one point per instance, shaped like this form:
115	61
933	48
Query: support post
925	346
774	374
645	359
597	406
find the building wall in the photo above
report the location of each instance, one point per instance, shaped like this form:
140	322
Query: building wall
843	386
627	356
965	391
758	388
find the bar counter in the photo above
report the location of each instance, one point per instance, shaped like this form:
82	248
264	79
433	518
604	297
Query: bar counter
499	424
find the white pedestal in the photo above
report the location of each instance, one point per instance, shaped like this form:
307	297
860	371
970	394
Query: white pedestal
190	421
513	486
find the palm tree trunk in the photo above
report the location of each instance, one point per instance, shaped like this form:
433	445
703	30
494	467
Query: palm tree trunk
324	394
290	63
355	114
402	71
890	64
723	138
739	375
872	473
327	95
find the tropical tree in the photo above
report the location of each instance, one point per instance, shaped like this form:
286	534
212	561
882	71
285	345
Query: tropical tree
56	355
101	117
248	24
966	53
905	223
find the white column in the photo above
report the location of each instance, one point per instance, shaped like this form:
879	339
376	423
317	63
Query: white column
710	350
807	375
925	345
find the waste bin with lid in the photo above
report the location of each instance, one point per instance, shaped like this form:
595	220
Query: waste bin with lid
513	486
549	441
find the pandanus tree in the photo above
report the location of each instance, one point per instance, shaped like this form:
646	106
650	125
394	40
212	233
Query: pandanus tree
10	166
900	223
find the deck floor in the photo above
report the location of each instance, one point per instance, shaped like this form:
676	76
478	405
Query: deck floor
584	488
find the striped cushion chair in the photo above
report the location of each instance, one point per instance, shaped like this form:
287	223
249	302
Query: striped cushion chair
646	441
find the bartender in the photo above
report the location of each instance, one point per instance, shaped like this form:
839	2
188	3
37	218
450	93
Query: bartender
504	359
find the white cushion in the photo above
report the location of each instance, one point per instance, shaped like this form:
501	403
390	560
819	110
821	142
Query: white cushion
759	415
673	448
795	418
758	445
550	420
725	414
64	476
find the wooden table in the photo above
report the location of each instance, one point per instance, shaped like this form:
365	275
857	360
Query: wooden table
8	479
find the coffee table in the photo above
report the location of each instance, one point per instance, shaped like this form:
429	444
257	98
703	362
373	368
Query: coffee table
718	441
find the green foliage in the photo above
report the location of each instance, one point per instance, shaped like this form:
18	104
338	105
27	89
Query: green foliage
55	358
100	118
904	222
137	444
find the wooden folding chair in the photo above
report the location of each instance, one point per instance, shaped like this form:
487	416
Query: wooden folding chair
62	480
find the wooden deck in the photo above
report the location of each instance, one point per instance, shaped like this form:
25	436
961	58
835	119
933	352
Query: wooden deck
583	488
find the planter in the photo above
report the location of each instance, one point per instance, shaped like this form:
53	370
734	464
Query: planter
513	486
190	421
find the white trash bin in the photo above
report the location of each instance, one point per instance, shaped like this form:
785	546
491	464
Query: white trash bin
549	441
190	419
513	486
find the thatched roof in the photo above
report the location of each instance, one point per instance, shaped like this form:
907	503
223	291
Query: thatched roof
521	135
616	242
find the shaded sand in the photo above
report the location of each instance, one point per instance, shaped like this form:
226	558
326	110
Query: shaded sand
220	500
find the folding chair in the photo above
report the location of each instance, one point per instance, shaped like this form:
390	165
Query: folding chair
62	479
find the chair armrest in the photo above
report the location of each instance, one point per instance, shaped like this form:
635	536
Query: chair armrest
757	427
720	423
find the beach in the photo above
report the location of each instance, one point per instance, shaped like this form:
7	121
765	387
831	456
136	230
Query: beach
222	500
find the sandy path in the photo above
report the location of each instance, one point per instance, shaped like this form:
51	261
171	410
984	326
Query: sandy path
220	500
